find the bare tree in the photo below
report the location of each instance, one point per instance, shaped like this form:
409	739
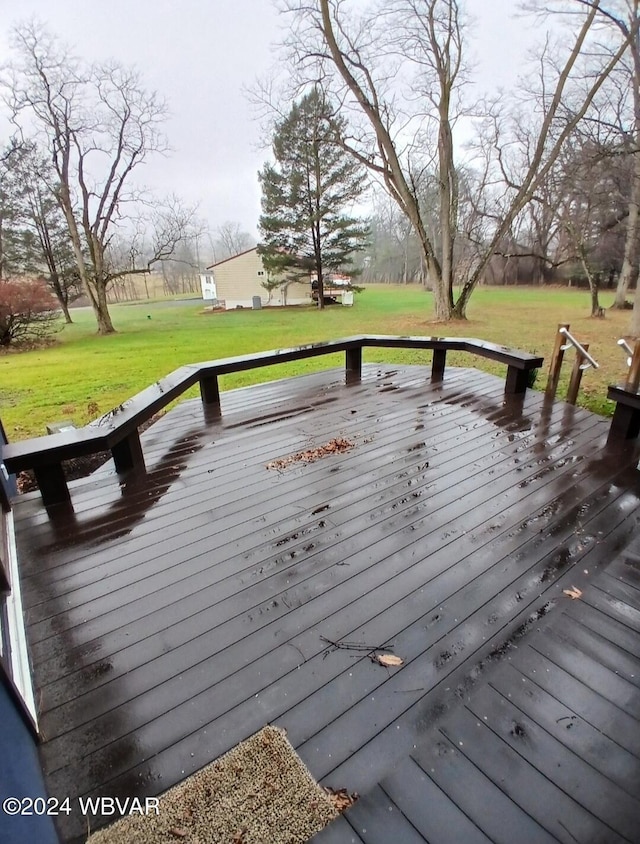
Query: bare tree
622	118
420	42
230	240
392	254
575	219
98	124
156	238
589	212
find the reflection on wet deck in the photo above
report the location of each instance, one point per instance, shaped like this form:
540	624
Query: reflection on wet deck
173	615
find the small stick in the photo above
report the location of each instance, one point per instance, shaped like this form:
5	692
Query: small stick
356	646
291	645
407	691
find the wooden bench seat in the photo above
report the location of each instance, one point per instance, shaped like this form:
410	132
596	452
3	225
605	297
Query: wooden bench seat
625	423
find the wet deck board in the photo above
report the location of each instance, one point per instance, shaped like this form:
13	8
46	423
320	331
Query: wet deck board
173	616
542	749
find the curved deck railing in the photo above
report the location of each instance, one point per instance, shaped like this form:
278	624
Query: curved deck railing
117	430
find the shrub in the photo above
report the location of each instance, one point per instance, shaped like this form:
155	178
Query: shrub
27	310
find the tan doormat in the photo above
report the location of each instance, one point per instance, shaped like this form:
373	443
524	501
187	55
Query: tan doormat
260	792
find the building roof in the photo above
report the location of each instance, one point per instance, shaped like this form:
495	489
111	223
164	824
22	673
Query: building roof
232	257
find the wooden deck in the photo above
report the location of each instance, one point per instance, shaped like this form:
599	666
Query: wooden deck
173	615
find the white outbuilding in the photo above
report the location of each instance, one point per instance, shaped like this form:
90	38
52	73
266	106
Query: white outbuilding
238	283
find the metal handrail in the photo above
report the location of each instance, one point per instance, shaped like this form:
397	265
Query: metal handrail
626	348
578	346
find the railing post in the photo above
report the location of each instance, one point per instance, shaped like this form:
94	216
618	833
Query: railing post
576	375
127	454
52	484
210	391
517	380
556	361
625	424
353	364
438	364
633	376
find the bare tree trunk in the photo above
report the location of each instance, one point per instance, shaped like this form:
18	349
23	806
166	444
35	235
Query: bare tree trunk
630	261
596	310
634	328
98	297
1	247
58	292
448	188
96	292
67	315
538	272
594	282
62	296
315	216
101	311
405	262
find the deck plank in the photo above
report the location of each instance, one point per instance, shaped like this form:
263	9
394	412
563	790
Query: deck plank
538	738
471	785
557	716
378	820
511	779
430	809
587	703
339	831
562	767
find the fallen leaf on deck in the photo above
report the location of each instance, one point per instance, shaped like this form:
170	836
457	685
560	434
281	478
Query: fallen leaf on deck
573	593
388	660
341	798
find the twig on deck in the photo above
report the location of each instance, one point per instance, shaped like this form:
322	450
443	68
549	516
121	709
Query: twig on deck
356	646
298	649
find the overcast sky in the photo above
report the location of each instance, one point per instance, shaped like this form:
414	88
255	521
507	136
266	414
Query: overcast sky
200	54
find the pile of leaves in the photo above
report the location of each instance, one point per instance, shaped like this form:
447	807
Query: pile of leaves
341	798
334	446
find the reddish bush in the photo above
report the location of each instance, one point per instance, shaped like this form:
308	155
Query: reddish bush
27	310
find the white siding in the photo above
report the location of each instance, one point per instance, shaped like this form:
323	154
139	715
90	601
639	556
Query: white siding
239	279
208	286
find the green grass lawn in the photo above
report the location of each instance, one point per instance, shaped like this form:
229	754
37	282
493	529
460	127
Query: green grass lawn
82	375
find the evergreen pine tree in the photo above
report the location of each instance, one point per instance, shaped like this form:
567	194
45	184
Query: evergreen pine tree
307	194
